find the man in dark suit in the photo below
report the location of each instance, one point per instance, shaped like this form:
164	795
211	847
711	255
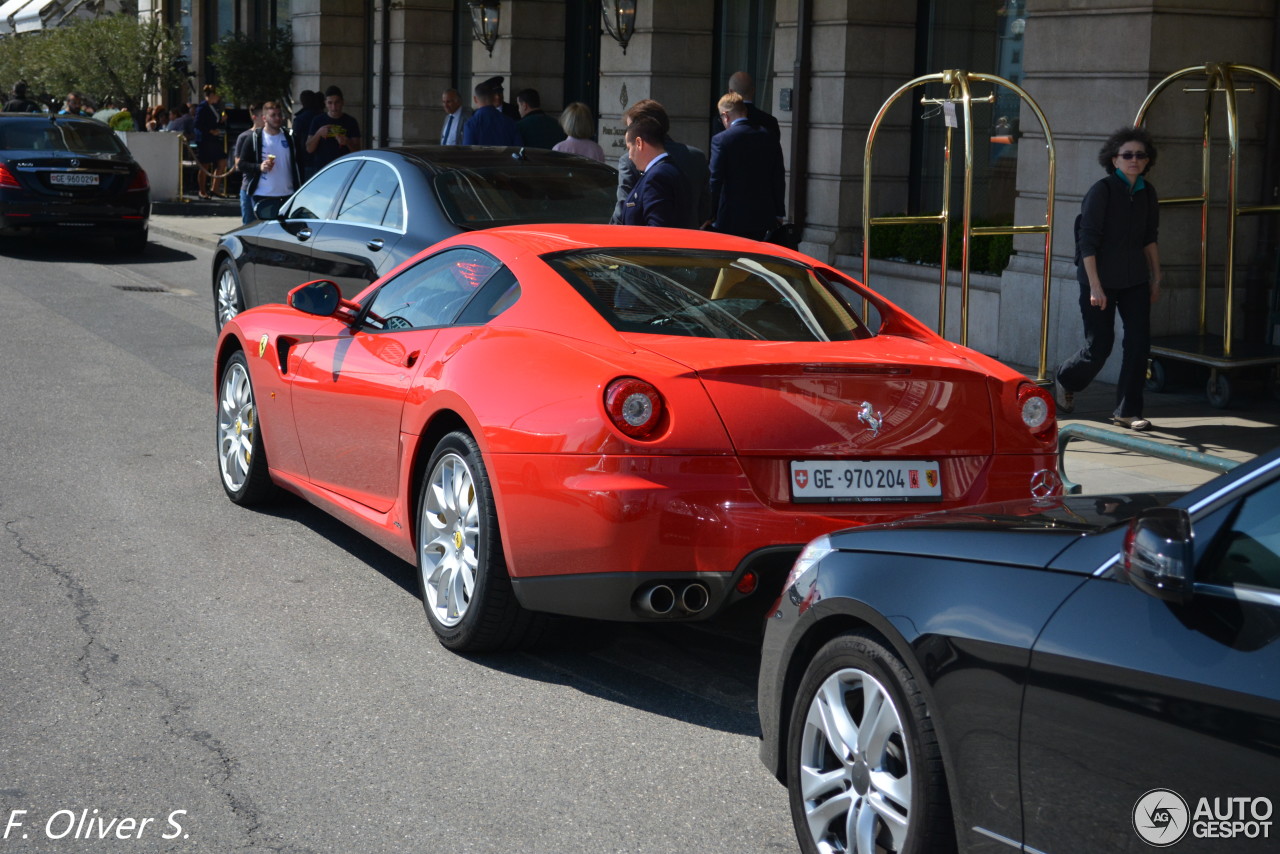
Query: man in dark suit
741	83
660	197
748	179
691	162
487	125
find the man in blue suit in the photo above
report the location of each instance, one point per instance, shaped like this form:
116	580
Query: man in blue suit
660	197
748	179
487	125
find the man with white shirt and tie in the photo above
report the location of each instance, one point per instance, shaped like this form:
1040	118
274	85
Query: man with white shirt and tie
454	118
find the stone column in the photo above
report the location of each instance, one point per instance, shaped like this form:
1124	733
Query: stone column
529	53
421	59
329	38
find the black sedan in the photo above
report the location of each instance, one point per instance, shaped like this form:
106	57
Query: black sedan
63	176
1081	674
363	214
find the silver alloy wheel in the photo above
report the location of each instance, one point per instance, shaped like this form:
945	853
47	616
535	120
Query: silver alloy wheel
228	295
855	770
449	531
237	421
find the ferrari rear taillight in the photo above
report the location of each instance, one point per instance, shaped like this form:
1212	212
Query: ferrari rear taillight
1035	407
7	178
634	407
140	181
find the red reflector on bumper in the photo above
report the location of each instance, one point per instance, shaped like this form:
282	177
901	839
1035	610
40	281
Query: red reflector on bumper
748	583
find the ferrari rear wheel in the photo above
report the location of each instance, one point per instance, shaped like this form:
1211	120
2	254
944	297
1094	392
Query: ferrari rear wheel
864	770
241	460
462	572
228	300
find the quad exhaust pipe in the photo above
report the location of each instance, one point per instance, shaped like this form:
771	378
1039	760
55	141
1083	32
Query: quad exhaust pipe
659	600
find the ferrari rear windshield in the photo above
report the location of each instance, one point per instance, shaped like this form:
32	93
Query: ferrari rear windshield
710	295
521	193
77	137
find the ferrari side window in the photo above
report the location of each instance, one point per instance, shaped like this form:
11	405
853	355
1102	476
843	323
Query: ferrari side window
431	293
315	199
1248	552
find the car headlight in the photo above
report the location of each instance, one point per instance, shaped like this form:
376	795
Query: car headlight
815	551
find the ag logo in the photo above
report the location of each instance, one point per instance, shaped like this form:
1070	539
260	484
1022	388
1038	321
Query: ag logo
802	478
1161	818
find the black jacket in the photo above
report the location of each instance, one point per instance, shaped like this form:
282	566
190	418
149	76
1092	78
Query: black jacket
1114	226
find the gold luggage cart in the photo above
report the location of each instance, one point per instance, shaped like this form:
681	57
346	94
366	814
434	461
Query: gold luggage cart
1223	353
959	92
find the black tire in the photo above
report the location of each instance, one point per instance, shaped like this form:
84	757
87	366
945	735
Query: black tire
1218	390
458	540
242	462
134	243
228	295
860	672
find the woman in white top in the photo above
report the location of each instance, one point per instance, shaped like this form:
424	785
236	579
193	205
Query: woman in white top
577	122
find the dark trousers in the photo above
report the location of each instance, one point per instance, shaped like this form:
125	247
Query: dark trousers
1134	306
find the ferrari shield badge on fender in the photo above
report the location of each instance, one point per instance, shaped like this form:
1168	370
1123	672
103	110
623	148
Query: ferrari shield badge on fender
262	345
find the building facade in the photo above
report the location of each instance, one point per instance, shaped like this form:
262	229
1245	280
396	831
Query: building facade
825	68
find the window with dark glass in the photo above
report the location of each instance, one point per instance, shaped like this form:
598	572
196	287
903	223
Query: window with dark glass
432	292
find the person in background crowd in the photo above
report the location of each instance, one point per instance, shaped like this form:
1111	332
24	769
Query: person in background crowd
496	93
211	150
269	162
748	179
741	83
487	125
579	126
1118	270
182	121
537	129
20	103
454	118
661	196
312	106
243	148
691	162
333	133
157	118
74	106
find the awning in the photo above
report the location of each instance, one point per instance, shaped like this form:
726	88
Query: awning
24	16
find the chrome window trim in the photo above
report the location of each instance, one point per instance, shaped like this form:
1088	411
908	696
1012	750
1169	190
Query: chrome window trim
404	207
1255	595
1233	487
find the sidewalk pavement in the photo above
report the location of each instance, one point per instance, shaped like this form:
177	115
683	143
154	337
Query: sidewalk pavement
1181	418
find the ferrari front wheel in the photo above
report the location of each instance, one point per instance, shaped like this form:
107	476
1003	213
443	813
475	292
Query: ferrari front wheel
462	571
864	770
241	460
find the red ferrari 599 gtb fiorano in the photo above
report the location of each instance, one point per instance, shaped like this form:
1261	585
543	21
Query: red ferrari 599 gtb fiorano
612	422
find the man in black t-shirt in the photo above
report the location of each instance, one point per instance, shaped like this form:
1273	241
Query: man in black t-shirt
332	134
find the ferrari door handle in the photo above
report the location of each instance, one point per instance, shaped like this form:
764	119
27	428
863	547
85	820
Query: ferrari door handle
411	358
375	244
304	234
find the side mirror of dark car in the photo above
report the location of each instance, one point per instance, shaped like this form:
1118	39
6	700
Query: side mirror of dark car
268	208
323	299
1158	555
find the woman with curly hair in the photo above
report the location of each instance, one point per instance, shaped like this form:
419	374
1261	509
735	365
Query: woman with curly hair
1118	271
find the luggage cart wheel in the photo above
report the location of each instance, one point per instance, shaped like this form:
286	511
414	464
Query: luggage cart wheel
1218	389
1157	378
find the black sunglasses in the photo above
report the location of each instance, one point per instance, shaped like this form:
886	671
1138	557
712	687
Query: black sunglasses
1129	155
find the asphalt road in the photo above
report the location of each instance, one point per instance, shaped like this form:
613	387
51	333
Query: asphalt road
179	674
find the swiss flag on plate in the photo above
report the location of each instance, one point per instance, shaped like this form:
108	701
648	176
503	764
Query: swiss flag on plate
802	478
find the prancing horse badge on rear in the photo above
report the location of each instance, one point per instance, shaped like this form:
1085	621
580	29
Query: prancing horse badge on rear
870	417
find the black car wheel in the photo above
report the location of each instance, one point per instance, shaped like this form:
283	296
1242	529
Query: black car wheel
462	572
241	460
863	768
228	299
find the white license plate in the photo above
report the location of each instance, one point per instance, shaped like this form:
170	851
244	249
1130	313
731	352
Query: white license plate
74	179
840	481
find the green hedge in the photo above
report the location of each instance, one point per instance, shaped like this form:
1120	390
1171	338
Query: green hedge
921	243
